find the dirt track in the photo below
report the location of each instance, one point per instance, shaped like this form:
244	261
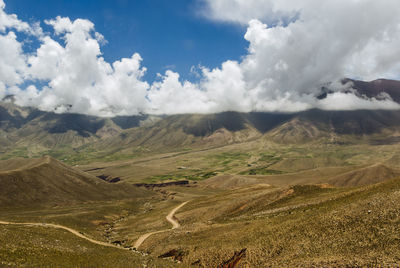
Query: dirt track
64	228
170	218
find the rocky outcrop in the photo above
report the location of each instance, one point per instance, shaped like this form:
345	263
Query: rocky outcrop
164	184
109	178
235	260
175	254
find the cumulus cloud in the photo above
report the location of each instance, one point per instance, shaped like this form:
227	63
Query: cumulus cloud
242	11
294	49
13	64
325	41
11	20
80	80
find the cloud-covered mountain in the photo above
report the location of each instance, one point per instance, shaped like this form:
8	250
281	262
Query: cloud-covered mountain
27	131
294	50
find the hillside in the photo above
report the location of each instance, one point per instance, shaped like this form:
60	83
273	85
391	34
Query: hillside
26	131
365	176
47	181
299	226
195	131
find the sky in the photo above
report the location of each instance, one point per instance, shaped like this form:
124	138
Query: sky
123	57
167	34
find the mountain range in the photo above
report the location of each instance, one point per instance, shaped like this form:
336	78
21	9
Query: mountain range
27	131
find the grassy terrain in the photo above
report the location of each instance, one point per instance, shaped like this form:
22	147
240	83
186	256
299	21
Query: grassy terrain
46	247
309	189
261	171
277	201
306	225
16	153
268	212
91	218
252	158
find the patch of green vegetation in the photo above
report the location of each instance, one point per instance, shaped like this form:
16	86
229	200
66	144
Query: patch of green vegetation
270	158
227	158
201	176
261	171
72	156
89	156
161	178
230	156
21	152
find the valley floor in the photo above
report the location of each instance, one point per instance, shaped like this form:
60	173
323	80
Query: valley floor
272	205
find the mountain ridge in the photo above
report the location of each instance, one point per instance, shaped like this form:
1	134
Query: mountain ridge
26	131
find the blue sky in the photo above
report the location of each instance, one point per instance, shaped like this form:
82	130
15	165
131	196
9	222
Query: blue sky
167	34
259	55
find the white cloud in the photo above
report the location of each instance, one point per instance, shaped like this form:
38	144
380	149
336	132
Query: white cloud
327	41
12	60
283	70
242	11
341	101
11	20
2	90
170	96
219	90
225	87
79	78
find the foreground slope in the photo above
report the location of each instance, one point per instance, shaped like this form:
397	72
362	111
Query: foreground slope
307	226
47	247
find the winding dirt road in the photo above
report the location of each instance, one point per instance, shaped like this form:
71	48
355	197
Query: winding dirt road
169	218
64	228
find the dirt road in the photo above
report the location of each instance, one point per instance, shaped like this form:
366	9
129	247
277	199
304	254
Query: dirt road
169	218
64	228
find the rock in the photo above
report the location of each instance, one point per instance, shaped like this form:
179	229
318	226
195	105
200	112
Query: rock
108	178
114	180
197	263
175	254
165	184
118	242
235	260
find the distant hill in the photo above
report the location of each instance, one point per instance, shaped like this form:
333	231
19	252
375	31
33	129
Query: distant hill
46	181
335	125
377	87
372	89
36	131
